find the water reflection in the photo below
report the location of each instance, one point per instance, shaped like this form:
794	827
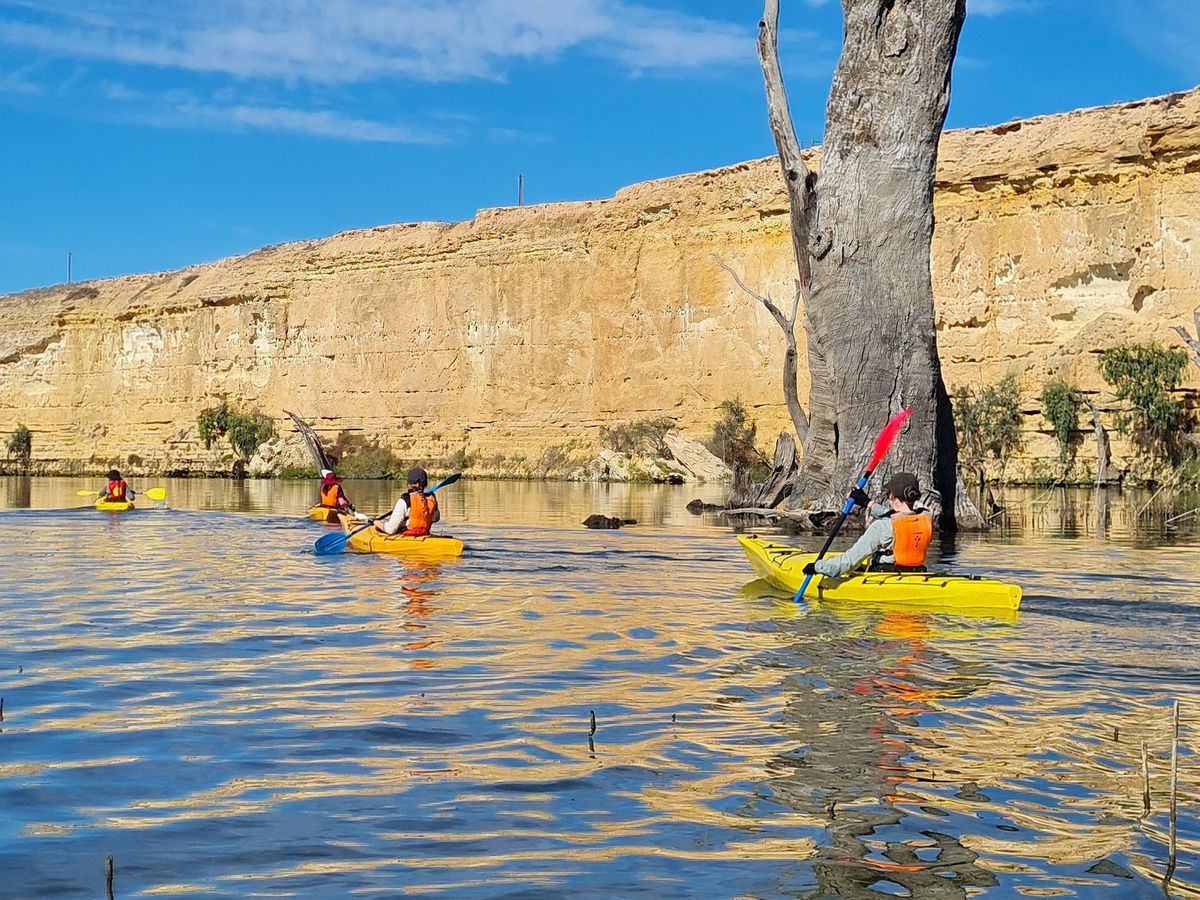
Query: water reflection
17	491
228	714
854	709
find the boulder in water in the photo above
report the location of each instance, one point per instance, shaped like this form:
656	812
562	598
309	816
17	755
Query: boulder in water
598	521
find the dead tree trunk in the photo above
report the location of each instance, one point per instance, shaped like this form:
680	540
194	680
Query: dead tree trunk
778	485
1103	453
862	234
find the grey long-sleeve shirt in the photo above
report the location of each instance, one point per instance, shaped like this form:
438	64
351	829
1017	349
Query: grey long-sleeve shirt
878	536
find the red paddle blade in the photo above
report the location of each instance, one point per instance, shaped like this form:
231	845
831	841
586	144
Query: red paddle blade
884	441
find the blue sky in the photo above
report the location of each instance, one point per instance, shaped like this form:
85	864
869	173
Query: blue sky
144	136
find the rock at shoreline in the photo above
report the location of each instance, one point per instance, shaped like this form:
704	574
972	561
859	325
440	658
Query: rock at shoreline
598	521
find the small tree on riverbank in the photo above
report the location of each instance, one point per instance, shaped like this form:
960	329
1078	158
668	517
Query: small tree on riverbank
733	436
246	431
1143	376
358	457
20	445
988	425
644	436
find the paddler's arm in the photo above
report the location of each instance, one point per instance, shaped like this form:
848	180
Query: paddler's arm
393	523
877	535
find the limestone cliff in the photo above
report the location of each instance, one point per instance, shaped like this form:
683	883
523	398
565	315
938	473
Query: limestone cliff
526	330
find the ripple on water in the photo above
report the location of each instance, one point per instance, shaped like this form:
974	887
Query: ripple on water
228	714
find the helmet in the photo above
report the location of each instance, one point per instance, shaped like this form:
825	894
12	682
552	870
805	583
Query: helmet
418	476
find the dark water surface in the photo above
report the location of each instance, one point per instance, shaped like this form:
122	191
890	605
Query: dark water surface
193	692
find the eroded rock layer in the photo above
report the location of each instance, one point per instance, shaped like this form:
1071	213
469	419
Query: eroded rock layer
522	333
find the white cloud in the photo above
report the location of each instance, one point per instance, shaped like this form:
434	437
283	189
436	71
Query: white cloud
997	7
180	109
348	41
1166	31
18	83
300	65
322	123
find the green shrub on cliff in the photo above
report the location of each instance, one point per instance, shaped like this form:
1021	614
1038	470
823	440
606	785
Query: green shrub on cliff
988	424
246	432
645	436
298	473
1060	406
1143	376
358	457
733	439
20	444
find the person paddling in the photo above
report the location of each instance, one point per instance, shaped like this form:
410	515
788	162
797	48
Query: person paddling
332	495
897	540
415	512
116	491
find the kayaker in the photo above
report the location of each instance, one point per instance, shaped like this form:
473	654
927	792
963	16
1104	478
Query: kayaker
415	512
897	539
116	491
332	495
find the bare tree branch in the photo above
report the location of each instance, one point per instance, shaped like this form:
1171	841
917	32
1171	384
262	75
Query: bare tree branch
1193	342
791	394
784	323
800	181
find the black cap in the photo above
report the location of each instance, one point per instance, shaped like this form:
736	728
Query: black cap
904	486
114	475
417	476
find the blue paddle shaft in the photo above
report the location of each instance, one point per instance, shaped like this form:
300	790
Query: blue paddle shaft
862	483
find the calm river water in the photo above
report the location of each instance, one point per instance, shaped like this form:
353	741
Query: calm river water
194	693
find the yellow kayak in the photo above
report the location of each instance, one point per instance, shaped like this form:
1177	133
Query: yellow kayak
783	566
114	505
372	540
325	514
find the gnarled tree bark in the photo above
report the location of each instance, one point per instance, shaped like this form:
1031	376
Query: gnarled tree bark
862	234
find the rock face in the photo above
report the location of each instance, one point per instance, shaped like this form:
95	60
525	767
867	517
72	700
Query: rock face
509	341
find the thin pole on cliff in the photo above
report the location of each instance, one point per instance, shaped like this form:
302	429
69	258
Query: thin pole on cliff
69	254
520	189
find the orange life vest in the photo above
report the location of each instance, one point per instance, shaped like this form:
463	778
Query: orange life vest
420	514
331	496
115	491
912	535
